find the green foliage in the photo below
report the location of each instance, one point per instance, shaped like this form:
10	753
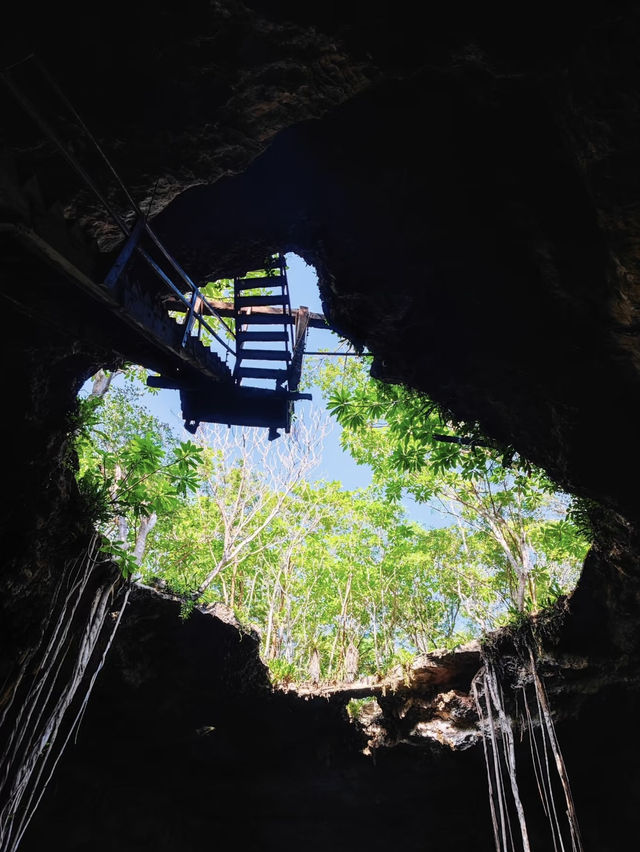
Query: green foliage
281	672
582	514
117	551
332	568
130	469
515	528
187	606
140	477
402	657
359	707
93	488
321	572
410	420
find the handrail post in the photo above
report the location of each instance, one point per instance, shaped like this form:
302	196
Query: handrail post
176	266
188	324
302	327
124	257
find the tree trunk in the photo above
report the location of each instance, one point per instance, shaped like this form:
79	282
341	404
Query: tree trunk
101	383
146	525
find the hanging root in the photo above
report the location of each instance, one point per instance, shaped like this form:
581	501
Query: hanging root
500	762
549	734
52	687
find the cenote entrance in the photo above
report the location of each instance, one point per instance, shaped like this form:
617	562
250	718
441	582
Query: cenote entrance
213	638
446	536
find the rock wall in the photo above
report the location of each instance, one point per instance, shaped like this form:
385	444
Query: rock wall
185	744
467	190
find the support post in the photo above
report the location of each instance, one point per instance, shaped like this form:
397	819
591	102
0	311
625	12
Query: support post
124	257
302	327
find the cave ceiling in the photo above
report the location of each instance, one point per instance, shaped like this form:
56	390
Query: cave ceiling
467	188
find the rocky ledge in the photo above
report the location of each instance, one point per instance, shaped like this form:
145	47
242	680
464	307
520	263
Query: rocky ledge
184	732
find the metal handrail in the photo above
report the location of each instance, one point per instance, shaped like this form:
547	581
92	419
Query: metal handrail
136	207
183	275
161	274
78	168
289	329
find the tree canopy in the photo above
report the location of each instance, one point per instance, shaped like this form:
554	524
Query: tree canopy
338	583
508	513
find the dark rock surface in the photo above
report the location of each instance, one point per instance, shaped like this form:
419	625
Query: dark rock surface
468	190
184	743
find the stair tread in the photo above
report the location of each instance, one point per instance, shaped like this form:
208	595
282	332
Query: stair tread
263	336
266	281
260	373
265	319
265	354
260	301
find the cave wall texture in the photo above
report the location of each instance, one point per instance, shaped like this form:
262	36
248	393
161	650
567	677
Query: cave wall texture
467	187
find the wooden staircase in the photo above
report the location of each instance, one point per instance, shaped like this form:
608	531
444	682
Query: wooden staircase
132	299
270	340
276	357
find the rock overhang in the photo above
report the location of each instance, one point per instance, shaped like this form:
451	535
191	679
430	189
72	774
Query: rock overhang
488	261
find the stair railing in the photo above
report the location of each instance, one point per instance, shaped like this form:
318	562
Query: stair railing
197	304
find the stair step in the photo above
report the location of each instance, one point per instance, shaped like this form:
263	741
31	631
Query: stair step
260	301
262	336
261	373
267	281
265	319
265	354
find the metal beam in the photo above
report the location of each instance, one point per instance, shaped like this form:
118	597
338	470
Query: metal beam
225	309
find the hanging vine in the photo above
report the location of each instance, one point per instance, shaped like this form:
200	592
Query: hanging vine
50	690
498	727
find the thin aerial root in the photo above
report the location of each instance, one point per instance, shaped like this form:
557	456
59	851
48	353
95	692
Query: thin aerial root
492	806
572	817
510	754
500	757
67	666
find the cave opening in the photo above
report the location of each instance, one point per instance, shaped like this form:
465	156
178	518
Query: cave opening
487	261
379	530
